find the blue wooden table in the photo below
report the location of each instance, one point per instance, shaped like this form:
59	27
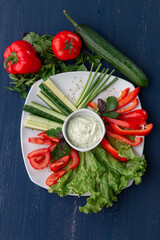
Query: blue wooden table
29	212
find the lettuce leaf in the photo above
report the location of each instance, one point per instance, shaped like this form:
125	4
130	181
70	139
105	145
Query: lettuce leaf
102	176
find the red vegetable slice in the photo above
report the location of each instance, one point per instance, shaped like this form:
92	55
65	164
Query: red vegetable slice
127	109
75	159
40	163
38	152
92	105
129	98
44	135
138	121
40	140
139	113
52	147
53	178
112	151
124	93
59	164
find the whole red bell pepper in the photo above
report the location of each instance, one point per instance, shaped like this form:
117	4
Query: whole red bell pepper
129	98
142	132
21	57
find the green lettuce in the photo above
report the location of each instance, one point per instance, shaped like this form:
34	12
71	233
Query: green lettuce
102	176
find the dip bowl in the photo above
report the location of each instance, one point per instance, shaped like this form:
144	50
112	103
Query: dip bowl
78	113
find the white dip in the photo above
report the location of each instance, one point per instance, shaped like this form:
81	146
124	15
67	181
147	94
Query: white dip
84	131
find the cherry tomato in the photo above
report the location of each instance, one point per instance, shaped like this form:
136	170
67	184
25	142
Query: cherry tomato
66	45
75	159
59	164
40	161
36	140
38	152
44	135
53	178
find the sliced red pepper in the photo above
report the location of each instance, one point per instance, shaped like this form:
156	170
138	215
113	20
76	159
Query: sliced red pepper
123	138
75	159
139	113
129	98
92	104
121	123
38	152
44	135
59	164
138	121
124	93
127	109
40	140
112	151
53	178
51	147
41	161
142	132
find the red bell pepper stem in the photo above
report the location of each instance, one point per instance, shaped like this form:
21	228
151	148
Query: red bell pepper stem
124	93
121	123
112	151
127	109
142	132
123	138
139	113
129	98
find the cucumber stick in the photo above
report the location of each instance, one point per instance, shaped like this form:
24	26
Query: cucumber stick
50	103
59	94
40	123
45	112
108	52
55	99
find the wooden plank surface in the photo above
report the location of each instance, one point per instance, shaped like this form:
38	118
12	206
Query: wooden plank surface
29	212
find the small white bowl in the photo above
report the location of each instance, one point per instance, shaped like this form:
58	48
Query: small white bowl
82	112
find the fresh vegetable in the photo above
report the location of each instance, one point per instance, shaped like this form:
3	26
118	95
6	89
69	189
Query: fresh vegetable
129	98
59	164
127	109
40	123
104	49
74	159
20	57
124	93
44	135
139	113
138	121
38	152
42	162
37	140
121	123
55	99
53	178
92	104
51	147
66	45
52	87
112	151
142	132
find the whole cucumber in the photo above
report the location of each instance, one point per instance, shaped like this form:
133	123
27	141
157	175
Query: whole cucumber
108	52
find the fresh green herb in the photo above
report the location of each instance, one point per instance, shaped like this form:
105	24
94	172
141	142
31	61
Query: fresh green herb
54	132
59	152
113	114
50	65
111	105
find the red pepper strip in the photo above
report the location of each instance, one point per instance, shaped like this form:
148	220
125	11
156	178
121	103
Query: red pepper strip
21	57
138	121
39	140
53	178
123	138
124	93
75	159
112	151
44	135
38	152
142	132
59	164
127	109
92	104
121	123
139	113
129	98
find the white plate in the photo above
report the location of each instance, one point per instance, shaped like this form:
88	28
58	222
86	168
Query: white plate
71	84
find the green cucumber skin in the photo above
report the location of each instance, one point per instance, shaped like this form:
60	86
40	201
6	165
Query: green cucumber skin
108	52
35	111
57	101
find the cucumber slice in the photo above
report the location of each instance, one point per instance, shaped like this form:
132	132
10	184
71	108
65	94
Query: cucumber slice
55	100
52	87
50	103
40	123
